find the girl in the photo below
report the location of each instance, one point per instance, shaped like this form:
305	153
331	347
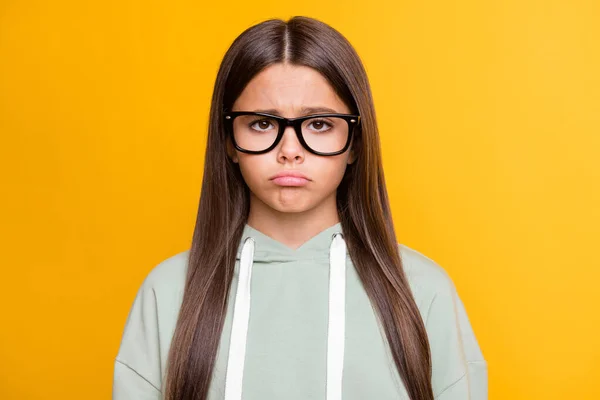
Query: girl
295	286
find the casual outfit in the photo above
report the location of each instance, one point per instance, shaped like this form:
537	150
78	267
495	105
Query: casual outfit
299	325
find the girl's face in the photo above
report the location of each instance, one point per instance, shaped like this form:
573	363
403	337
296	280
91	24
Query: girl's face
289	91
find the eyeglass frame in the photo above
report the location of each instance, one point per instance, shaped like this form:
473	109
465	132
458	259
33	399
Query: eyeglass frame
351	119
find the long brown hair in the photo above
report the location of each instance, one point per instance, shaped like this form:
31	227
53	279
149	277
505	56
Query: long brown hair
362	204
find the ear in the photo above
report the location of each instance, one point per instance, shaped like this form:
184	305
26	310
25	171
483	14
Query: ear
231	153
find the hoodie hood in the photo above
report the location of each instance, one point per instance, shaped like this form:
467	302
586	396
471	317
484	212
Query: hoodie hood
269	250
256	247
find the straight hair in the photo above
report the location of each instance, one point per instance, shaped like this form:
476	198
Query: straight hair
362	204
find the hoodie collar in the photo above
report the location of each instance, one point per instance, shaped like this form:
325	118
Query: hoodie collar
267	249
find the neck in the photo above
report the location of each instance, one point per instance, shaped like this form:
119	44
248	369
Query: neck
292	228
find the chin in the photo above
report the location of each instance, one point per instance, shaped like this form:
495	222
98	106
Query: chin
290	207
289	202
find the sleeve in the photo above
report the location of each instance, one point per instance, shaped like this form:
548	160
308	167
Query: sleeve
137	367
459	370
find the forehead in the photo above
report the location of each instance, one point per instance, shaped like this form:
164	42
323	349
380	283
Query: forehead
288	88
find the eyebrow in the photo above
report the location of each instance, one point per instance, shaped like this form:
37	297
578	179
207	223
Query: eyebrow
303	111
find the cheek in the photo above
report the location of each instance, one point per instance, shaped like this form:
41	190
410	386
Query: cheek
255	170
329	172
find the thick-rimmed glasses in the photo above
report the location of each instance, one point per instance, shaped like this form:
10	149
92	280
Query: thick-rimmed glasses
320	134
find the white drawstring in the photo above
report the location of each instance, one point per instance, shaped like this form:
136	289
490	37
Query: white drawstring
337	317
239	329
336	328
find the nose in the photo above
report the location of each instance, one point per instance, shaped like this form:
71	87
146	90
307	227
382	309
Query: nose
290	148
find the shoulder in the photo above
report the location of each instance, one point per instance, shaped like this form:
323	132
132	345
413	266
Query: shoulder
169	271
427	278
424	273
166	280
150	325
458	365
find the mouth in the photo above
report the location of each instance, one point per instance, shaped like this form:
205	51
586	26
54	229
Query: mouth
290	178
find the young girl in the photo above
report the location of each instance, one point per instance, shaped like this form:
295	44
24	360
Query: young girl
295	286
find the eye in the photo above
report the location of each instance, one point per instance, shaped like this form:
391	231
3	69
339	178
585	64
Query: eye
262	125
320	125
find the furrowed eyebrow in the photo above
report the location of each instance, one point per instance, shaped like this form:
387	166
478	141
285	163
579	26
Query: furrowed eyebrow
304	111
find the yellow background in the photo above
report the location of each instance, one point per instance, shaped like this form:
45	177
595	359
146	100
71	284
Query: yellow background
490	122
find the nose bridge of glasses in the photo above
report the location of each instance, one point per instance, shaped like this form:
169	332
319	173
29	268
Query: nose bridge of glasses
289	123
295	126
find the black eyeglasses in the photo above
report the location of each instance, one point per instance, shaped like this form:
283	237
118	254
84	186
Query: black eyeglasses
320	134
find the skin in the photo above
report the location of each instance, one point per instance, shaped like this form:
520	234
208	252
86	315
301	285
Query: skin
291	215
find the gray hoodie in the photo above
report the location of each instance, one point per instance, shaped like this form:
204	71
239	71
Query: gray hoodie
299	325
